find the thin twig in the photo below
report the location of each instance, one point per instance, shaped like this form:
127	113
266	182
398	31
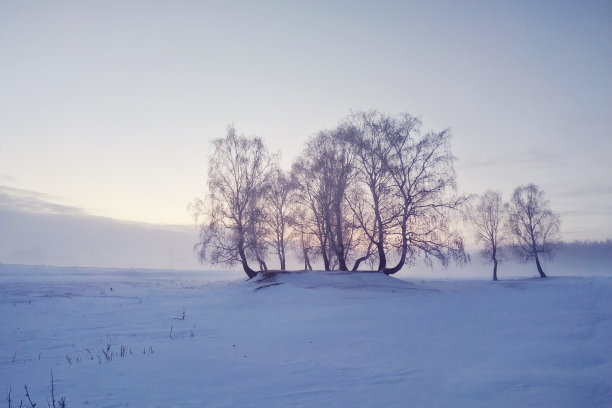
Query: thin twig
53	388
32	405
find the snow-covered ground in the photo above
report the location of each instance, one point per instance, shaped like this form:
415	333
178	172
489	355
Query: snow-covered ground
118	338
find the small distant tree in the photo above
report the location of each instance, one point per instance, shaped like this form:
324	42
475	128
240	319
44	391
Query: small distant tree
489	219
534	226
232	212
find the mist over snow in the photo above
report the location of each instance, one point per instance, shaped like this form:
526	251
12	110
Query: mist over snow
34	231
580	258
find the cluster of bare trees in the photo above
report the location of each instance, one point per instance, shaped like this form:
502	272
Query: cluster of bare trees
374	189
526	220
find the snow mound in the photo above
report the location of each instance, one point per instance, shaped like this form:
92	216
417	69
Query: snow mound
331	279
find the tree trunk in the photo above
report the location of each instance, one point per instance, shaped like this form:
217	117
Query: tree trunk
494	257
245	265
400	264
336	246
307	266
341	263
325	258
281	258
542	274
494	269
340	241
281	240
382	258
396	268
359	261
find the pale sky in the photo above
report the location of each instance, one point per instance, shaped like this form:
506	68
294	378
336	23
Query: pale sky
110	106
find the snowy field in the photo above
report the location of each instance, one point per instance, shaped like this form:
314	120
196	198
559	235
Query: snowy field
119	338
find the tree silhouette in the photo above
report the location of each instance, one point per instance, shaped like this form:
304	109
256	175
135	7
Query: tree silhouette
533	225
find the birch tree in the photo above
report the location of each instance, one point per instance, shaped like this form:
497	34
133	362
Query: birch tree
489	221
280	213
323	175
411	183
534	226
230	216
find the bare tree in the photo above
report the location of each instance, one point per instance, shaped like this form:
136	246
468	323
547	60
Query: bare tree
337	164
410	181
365	226
323	175
489	219
421	166
313	203
231	214
369	135
534	226
280	213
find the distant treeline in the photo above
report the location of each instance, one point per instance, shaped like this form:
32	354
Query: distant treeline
585	249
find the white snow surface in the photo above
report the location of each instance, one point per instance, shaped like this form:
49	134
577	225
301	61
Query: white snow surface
312	339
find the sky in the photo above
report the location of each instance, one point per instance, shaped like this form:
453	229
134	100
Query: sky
108	108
